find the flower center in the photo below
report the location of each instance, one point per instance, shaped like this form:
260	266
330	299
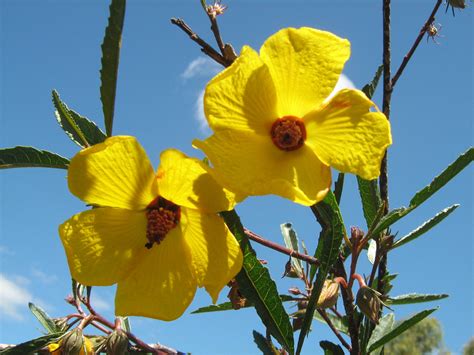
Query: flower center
162	216
288	133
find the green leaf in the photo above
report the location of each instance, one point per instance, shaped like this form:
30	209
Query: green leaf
31	346
414	298
263	344
421	196
425	227
81	130
227	306
329	243
110	61
204	5
126	326
442	179
44	319
370	198
291	241
256	285
385	326
330	348
369	89
340	324
338	186
400	328
29	157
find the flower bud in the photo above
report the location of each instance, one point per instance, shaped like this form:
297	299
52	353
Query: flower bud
72	343
329	294
61	323
368	301
294	291
117	342
459	4
290	271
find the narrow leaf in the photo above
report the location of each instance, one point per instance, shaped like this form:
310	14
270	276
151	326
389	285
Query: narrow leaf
110	61
29	157
291	241
385	326
400	328
338	187
372	250
442	179
44	319
329	243
425	227
81	130
330	348
340	324
369	89
263	344
412	298
31	346
227	306
257	286
370	198
421	196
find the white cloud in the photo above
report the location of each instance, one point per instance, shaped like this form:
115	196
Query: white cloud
343	83
100	303
5	250
201	66
14	298
199	113
44	277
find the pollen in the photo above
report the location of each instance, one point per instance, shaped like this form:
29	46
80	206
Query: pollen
288	133
162	216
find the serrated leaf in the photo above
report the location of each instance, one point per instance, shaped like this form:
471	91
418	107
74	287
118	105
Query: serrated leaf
372	250
44	319
400	328
412	298
370	198
110	61
79	129
369	89
340	324
256	285
291	241
31	346
330	348
227	306
425	227
329	243
385	326
421	196
263	344
29	157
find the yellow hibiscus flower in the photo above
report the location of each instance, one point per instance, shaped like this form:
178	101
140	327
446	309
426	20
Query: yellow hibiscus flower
276	131
156	235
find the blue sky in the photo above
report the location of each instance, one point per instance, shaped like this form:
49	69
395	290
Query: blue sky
56	45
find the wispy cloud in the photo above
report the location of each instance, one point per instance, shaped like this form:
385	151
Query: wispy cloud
13	298
199	113
201	67
5	250
43	277
100	303
343	83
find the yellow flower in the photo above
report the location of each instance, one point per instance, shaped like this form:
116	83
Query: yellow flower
156	235
275	129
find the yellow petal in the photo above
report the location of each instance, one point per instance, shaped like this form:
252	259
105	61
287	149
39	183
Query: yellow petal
188	182
162	285
216	255
253	165
242	96
304	64
115	173
347	136
103	244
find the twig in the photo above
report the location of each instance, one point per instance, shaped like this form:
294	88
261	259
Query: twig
206	48
348	301
216	32
323	314
255	237
418	39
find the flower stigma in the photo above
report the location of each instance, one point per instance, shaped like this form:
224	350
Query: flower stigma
288	133
162	216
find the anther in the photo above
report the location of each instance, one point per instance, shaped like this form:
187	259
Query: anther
288	133
162	216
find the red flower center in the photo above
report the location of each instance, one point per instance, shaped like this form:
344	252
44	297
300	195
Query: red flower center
162	216
288	133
